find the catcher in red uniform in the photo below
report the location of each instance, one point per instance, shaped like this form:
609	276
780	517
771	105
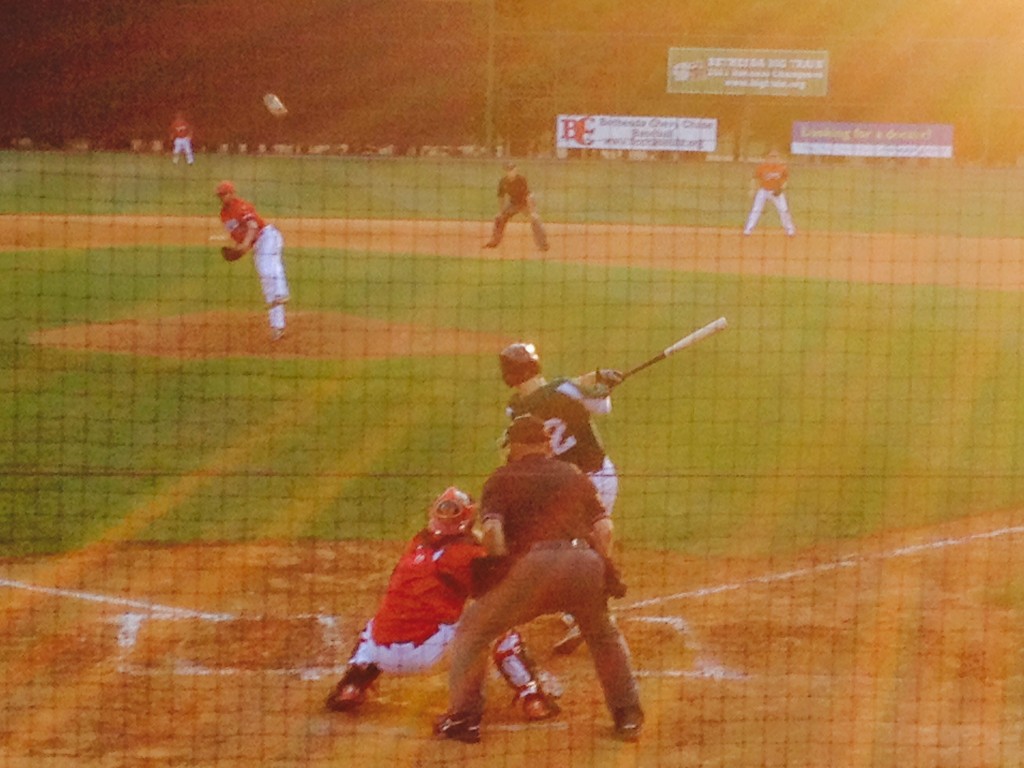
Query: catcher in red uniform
416	620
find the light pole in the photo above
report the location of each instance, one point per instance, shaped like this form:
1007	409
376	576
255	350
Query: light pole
489	96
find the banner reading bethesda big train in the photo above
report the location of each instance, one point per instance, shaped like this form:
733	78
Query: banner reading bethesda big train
656	134
741	71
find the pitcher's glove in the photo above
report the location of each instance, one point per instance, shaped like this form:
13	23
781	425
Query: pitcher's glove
231	253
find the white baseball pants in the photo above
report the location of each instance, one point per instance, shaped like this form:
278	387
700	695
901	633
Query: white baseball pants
268	256
403	658
779	200
183	147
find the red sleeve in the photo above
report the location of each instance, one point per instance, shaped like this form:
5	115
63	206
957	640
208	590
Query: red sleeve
457	560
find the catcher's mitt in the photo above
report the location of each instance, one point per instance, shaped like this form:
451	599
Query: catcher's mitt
230	254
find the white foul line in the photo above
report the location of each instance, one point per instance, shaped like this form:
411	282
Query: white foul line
162	611
846	562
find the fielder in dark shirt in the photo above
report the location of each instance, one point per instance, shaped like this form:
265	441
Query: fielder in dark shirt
514	197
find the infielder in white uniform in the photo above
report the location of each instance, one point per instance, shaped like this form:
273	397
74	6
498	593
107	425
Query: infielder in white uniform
249	230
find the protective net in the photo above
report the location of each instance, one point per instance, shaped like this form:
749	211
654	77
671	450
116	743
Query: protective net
214	472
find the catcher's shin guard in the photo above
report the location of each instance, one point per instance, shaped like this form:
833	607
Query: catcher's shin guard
520	672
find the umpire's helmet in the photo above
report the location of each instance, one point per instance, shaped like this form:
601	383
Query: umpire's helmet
451	514
519	362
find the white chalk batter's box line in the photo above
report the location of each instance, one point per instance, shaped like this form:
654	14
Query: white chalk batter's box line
130	625
130	622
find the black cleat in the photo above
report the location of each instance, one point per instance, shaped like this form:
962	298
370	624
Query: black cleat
629	721
459	727
345	698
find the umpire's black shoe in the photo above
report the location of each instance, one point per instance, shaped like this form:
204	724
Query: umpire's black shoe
459	727
629	721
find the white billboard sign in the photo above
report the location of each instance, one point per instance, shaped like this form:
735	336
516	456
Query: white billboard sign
655	134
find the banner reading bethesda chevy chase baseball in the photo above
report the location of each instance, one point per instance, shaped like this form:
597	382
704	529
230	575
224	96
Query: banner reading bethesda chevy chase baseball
739	71
873	139
659	134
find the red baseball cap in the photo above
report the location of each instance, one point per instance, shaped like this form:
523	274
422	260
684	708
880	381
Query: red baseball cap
225	188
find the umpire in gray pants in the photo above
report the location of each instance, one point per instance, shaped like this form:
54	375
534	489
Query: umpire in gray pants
550	537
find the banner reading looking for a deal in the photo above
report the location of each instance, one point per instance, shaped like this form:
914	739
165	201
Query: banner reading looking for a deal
873	139
657	134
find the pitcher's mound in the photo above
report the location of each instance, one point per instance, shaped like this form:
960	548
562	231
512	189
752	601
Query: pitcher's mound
246	334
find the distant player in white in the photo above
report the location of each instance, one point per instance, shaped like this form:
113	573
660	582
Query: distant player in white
181	136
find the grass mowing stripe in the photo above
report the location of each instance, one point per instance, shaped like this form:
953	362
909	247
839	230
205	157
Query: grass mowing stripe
835	373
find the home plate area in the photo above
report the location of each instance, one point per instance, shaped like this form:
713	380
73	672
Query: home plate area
312	647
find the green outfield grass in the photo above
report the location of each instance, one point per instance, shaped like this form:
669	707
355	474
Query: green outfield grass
828	411
884	195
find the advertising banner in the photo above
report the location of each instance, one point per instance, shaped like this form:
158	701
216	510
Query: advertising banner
873	139
655	134
740	71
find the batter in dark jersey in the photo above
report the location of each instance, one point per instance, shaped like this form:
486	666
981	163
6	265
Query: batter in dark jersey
565	406
566	409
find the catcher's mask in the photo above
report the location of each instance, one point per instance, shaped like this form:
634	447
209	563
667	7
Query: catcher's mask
451	514
519	362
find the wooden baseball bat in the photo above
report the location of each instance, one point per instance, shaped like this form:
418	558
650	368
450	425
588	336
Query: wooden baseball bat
687	341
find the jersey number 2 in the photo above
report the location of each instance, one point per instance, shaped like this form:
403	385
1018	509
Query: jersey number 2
561	440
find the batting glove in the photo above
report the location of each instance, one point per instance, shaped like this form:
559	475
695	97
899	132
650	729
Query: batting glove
608	376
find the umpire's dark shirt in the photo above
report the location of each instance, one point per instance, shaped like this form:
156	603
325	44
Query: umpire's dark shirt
538	498
515	187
